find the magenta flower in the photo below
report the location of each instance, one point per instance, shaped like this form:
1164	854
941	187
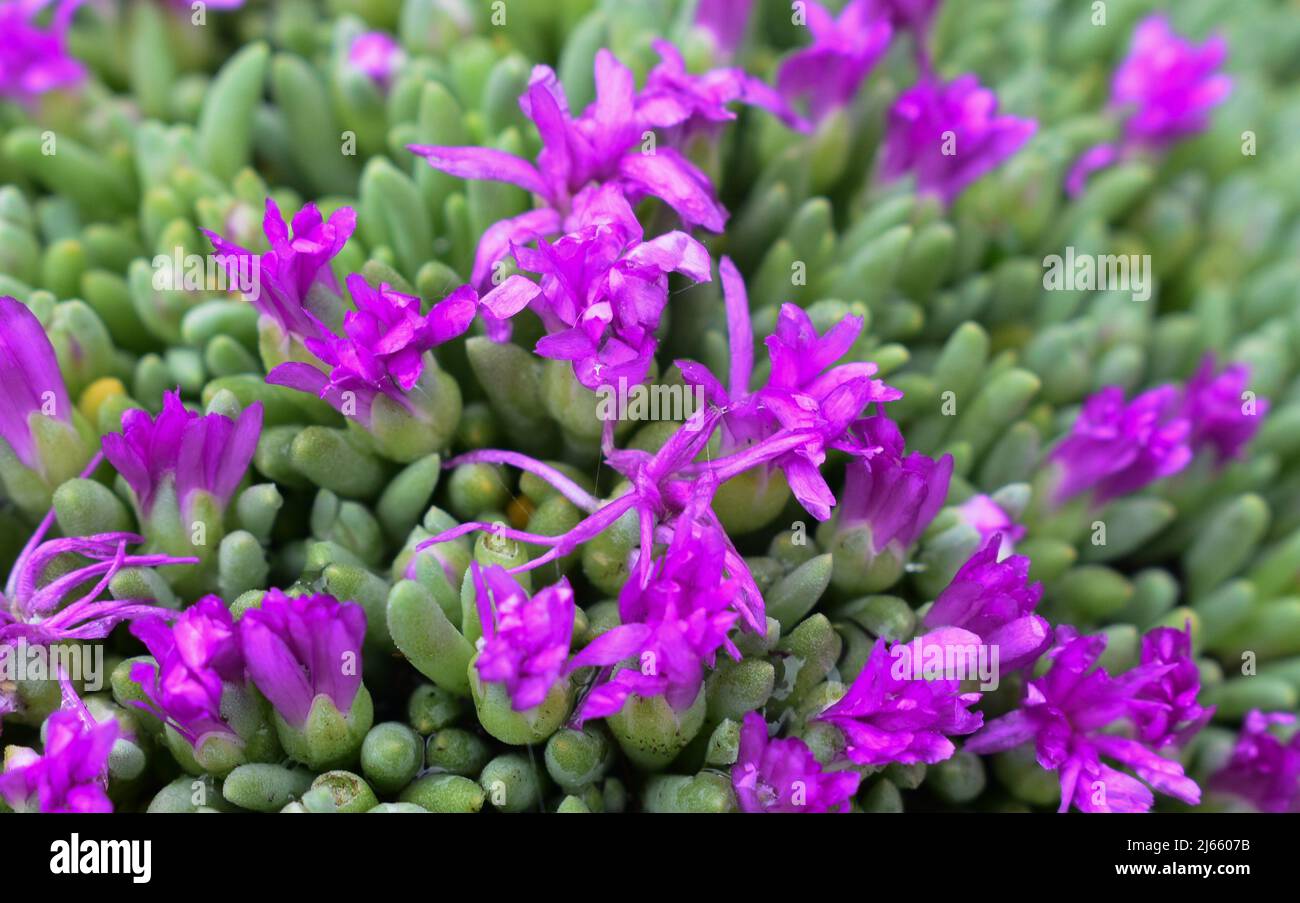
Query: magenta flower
1264	770
67	604
669	497
196	656
34	57
302	647
603	145
525	641
1216	407
71	775
673	624
805	397
377	55
1175	715
687	104
949	135
187	452
295	285
784	776
826	75
603	290
988	518
30	382
383	350
1115	448
726	21
993	600
1164	92
896	496
1069	712
887	717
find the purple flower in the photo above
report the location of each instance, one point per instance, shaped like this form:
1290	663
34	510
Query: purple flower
31	384
805	396
1216	408
949	135
895	496
674	623
193	453
826	75
784	776
196	656
603	290
1264	770
987	517
1115	448
71	775
687	104
886	717
603	145
301	647
67	606
294	278
1164	92
993	600
1069	712
726	22
377	55
382	351
525	641
34	58
1168	84
1176	716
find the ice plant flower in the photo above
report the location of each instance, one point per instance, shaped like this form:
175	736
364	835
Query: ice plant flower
603	290
673	625
34	57
1117	447
380	371
949	135
603	145
1068	714
1264	769
1164	92
183	469
71	775
43	439
725	21
304	654
294	289
196	683
826	75
1223	413
67	605
987	517
888	717
784	776
377	55
807	393
525	640
1175	716
685	104
994	600
887	502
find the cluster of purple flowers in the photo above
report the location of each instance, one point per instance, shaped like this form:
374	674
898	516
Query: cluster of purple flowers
600	292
